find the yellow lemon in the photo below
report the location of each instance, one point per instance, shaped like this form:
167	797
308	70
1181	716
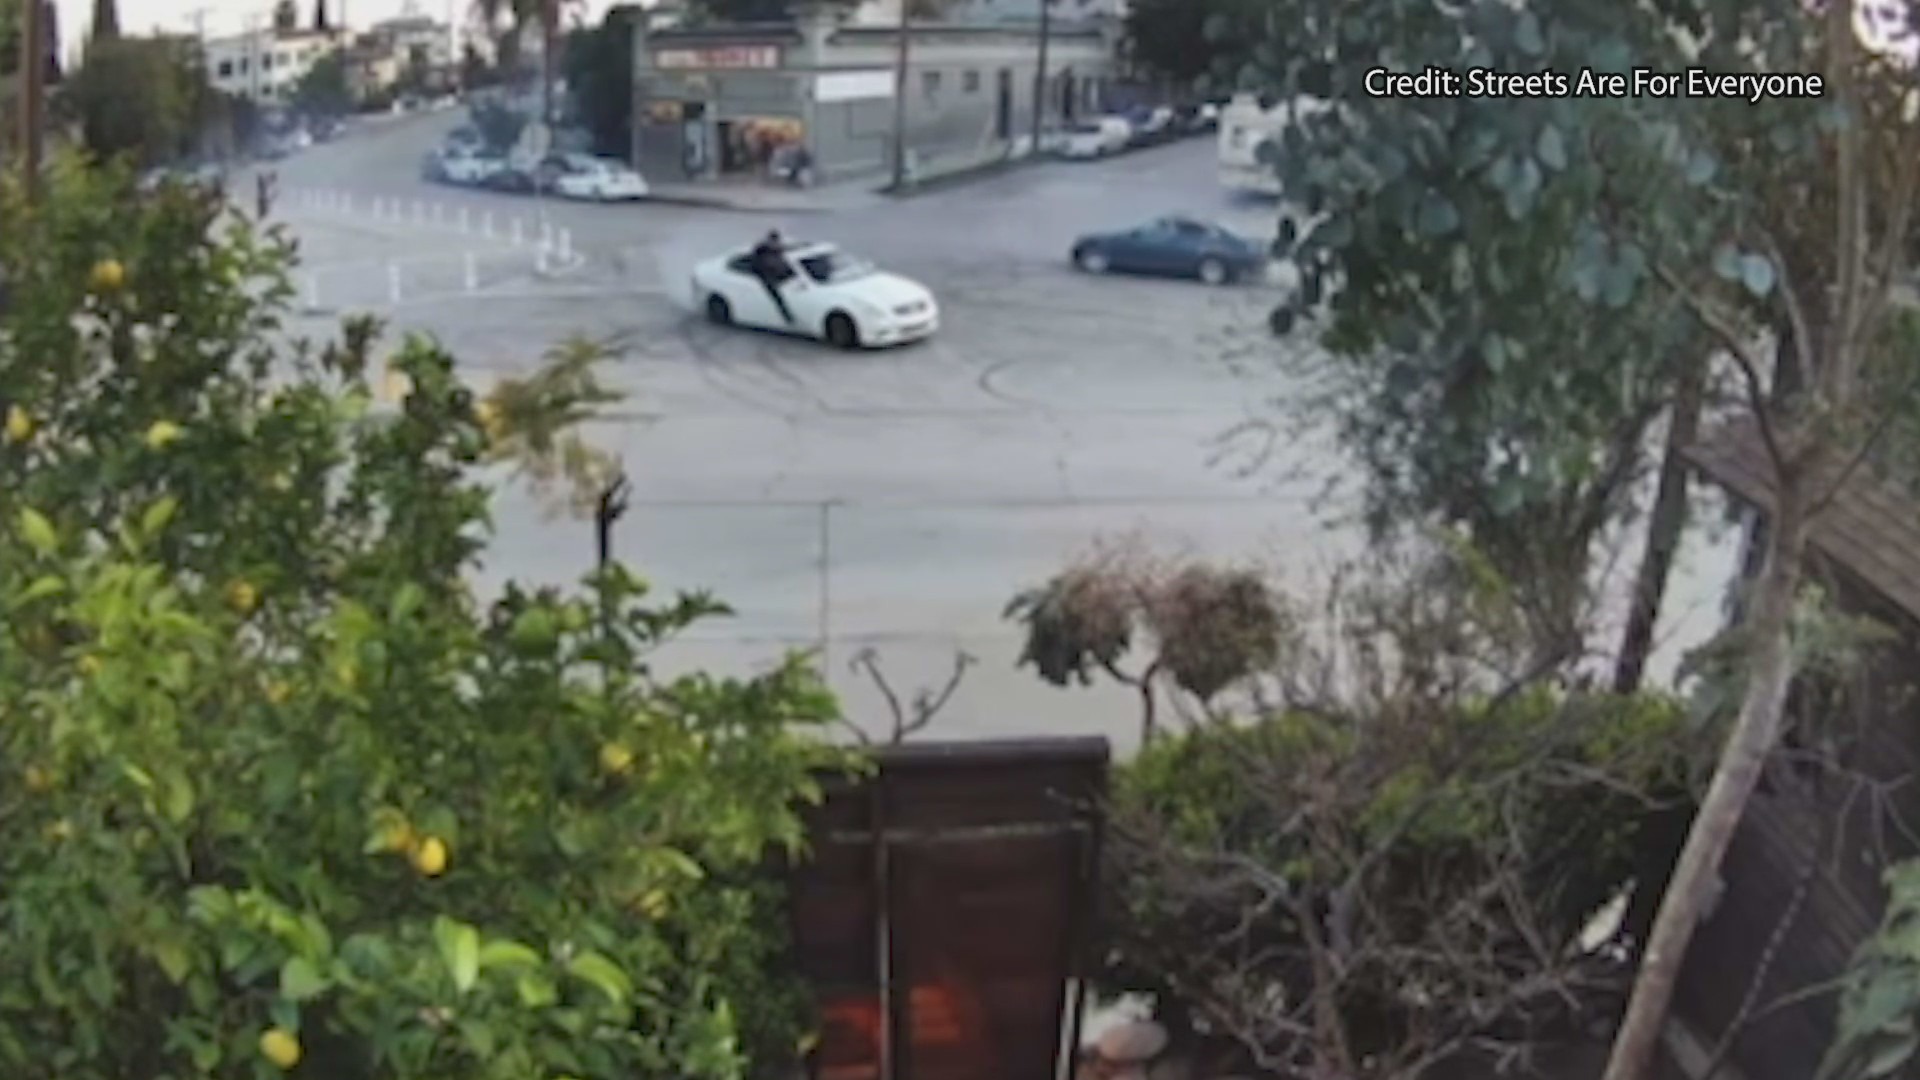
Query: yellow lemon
39	781
282	482
243	597
400	838
616	758
19	424
430	858
280	1046
89	665
60	831
655	904
107	276
807	1042
278	692
488	414
162	434
395	386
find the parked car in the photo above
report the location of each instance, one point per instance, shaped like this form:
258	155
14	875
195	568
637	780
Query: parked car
465	137
1196	119
326	129
598	179
510	179
433	167
469	167
1174	247
836	297
1150	126
1096	138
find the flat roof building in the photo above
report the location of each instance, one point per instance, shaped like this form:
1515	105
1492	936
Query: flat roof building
720	102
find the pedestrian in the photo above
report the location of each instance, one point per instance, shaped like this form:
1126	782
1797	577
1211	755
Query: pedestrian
769	262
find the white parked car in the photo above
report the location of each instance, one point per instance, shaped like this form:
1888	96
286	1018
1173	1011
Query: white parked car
580	176
1096	138
466	167
834	296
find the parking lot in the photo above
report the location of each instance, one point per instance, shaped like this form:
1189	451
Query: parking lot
896	500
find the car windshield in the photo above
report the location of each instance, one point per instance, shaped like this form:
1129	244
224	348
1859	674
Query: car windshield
834	266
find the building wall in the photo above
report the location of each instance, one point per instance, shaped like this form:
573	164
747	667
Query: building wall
954	103
266	65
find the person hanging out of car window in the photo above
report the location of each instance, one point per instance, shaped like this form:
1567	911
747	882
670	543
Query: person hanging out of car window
771	267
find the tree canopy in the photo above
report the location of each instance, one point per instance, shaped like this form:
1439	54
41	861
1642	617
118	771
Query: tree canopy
324	90
139	97
278	792
1512	281
1193	43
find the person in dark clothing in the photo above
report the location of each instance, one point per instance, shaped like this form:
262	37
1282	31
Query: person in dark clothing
771	267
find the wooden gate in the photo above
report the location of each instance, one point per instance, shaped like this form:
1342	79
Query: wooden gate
943	917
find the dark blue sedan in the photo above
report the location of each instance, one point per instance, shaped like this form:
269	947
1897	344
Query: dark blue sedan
1175	247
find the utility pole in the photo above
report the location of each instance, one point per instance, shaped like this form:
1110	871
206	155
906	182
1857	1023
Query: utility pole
549	17
900	95
33	73
1040	77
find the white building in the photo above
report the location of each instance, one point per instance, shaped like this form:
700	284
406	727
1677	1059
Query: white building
265	65
416	39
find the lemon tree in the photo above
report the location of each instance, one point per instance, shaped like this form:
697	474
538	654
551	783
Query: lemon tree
279	796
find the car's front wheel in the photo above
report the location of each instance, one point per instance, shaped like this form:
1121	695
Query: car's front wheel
719	312
1092	260
1214	272
842	331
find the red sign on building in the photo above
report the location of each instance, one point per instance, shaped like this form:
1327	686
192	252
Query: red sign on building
726	57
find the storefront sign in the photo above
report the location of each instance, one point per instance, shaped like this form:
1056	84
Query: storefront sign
853	86
729	57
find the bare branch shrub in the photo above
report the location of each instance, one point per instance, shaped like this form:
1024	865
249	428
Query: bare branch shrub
1390	866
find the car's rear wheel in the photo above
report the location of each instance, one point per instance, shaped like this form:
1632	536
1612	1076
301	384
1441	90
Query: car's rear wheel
842	332
1214	272
719	312
1092	260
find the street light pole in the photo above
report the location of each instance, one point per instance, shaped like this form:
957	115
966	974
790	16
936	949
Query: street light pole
1040	76
33	70
900	95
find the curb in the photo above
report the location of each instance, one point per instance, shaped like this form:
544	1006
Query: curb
717	203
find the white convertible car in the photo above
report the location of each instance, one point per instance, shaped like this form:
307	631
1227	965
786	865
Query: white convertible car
834	297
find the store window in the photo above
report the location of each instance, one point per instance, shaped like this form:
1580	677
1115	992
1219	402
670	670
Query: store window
930	83
970	82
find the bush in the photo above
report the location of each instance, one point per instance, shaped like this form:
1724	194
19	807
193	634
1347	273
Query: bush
277	794
1443	865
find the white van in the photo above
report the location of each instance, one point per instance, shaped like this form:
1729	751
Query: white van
1096	138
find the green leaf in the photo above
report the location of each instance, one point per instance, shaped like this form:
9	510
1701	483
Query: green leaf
174	960
536	991
681	863
43	587
603	974
406	602
178	801
1527	35
459	950
1551	148
1727	263
301	981
158	515
507	954
1437	216
37	531
1756	273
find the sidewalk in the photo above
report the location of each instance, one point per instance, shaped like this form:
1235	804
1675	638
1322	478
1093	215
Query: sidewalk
767	197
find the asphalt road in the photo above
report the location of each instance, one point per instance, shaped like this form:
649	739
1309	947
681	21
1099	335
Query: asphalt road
896	500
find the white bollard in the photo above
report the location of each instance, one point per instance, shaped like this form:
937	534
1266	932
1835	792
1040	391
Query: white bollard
473	272
566	246
313	291
419	211
546	235
516	232
439	212
346	202
463	219
393	282
486	224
